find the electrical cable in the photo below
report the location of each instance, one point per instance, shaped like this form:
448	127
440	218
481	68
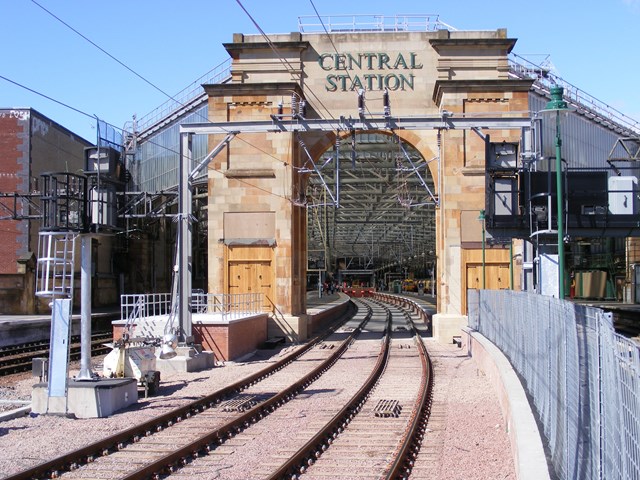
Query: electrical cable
332	43
113	126
105	52
284	61
139	76
49	98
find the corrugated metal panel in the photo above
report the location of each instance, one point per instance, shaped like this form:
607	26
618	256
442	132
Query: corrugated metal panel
159	153
585	143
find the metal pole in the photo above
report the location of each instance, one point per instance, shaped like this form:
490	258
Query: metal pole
559	200
511	265
184	237
85	310
484	275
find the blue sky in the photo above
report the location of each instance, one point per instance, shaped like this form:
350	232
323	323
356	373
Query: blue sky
592	44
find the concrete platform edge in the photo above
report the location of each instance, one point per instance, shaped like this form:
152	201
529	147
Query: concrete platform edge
525	438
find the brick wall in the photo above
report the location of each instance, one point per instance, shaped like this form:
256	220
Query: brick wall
233	340
14	177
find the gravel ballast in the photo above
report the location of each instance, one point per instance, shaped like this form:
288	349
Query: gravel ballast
466	438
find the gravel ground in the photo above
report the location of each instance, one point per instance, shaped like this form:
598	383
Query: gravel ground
472	443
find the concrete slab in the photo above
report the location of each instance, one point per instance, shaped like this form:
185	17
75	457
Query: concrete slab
188	360
445	326
87	399
15	413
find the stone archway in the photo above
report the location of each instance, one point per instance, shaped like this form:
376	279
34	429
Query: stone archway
256	194
371	204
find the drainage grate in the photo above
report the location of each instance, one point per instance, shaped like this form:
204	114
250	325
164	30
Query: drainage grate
240	403
387	408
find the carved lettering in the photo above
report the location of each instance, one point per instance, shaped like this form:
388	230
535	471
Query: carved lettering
352	64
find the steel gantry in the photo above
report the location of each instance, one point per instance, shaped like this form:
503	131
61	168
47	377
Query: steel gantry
369	208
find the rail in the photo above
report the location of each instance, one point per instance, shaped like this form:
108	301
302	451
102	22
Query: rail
583	378
72	460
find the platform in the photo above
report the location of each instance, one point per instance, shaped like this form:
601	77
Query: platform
321	309
20	329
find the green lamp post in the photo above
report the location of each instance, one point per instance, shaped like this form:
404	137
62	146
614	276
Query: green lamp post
481	219
556	106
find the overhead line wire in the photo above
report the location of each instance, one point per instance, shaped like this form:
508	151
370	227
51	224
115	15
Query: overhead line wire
283	60
50	98
142	78
139	76
105	52
113	126
332	43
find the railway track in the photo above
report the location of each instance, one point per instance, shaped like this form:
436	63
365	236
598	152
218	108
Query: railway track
348	378
19	358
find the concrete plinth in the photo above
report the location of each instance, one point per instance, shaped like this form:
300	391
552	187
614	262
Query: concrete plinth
448	325
292	328
87	399
189	359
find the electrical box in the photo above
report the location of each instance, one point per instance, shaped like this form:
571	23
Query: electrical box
622	195
502	156
505	195
103	206
102	160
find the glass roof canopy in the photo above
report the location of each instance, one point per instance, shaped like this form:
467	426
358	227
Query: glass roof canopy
377	210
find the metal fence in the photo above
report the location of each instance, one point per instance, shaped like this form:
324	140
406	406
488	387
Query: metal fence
137	308
228	305
582	377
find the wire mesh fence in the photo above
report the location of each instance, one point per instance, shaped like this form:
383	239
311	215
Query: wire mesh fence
582	378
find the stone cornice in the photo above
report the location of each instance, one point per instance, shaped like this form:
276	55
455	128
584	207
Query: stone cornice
471	86
252	89
235	49
449	44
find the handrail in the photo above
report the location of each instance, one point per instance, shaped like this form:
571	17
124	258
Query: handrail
228	305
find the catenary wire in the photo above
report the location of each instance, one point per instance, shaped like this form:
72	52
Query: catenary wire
142	78
113	126
283	60
332	43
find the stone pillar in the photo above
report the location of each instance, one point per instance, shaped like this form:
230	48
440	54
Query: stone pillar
472	79
253	215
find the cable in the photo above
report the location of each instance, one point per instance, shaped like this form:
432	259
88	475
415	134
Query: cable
49	98
113	126
283	60
106	53
333	44
137	75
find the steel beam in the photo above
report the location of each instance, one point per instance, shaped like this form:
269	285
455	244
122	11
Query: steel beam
342	123
185	335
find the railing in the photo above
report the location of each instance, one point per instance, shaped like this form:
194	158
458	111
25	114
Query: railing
228	305
371	23
582	377
181	100
591	106
135	308
144	305
55	266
